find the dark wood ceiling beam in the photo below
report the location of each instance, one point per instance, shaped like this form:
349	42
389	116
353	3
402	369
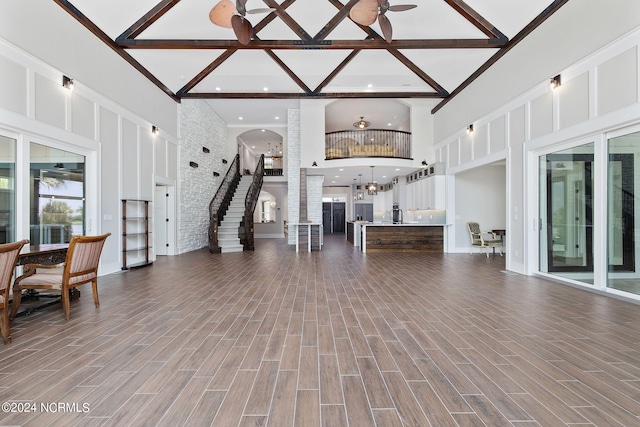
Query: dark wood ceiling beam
373	36
270	17
419	72
289	95
204	73
336	71
148	19
288	70
101	35
376	43
537	21
287	19
343	12
476	19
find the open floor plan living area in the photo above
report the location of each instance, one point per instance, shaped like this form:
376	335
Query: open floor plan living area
328	338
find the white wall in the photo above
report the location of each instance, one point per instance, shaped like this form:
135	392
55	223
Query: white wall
577	30
599	67
123	157
47	32
480	196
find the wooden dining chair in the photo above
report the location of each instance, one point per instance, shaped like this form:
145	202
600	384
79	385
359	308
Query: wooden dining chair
8	258
80	267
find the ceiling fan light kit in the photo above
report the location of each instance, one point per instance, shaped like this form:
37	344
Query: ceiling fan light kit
362	123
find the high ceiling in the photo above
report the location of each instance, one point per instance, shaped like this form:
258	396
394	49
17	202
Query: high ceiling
310	49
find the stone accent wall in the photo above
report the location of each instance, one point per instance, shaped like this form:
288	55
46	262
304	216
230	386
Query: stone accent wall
314	198
200	127
293	170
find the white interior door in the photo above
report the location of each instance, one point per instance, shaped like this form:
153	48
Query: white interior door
161	220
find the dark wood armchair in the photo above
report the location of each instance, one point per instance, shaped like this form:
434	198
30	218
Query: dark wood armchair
80	267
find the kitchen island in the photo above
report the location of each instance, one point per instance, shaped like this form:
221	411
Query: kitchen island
378	237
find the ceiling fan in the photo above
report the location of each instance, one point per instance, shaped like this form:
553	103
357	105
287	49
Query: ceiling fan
226	14
365	13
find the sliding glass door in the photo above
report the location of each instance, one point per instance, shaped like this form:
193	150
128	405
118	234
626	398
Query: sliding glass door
621	206
568	180
7	189
566	213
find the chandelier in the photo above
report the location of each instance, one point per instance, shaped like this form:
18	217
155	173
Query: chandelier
361	124
372	187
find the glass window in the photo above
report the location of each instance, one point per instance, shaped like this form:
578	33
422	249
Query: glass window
7	189
57	195
624	152
566	213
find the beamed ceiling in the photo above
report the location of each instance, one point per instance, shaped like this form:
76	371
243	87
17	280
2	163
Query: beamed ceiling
312	48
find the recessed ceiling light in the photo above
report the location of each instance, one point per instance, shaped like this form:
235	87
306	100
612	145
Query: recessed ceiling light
240	118
397	169
277	118
218	88
333	182
384	176
337	176
253	146
388	124
262	130
266	89
369	85
341	169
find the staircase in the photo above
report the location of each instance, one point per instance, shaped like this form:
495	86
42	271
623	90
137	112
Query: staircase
228	239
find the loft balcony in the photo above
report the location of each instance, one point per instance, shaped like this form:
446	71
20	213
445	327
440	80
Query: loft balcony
348	144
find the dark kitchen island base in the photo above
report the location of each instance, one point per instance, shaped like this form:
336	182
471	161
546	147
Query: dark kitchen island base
403	238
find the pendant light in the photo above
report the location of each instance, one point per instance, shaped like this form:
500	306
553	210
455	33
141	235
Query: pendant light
372	187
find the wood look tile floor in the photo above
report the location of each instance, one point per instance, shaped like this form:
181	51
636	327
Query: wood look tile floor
331	338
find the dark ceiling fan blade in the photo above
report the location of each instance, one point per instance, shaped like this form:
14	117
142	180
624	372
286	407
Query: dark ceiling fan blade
243	29
222	12
401	7
385	26
364	12
261	10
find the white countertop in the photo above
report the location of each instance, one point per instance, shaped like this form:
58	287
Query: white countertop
382	224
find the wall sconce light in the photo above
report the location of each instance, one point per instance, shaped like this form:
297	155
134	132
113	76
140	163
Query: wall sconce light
205	150
67	82
216	174
470	129
155	130
314	165
424	164
193	164
555	82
